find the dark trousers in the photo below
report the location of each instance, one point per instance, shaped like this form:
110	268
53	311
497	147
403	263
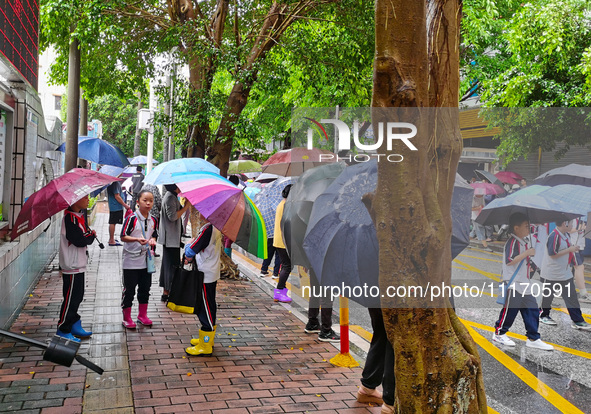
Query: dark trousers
514	304
73	291
132	278
379	365
285	267
569	294
208	309
133	202
171	259
316	302
267	261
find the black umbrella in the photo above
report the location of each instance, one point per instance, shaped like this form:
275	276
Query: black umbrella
298	207
341	242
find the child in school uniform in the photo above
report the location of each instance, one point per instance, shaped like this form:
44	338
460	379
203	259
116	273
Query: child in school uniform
139	236
75	236
206	249
557	277
517	256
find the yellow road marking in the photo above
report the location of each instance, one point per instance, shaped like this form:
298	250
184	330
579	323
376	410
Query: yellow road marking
565	349
563	405
585	316
361	332
484	251
494	276
492	411
480	258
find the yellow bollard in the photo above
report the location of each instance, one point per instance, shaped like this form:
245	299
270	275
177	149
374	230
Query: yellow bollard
344	358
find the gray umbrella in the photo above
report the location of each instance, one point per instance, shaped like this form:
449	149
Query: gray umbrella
341	242
571	174
298	207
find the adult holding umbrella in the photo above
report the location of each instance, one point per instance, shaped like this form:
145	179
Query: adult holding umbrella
137	182
169	235
296	216
267	201
69	192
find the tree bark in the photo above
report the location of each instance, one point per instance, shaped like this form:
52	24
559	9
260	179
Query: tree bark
73	99
138	131
271	29
83	124
166	127
437	366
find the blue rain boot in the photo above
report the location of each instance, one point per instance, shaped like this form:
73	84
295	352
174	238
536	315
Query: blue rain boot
67	336
78	331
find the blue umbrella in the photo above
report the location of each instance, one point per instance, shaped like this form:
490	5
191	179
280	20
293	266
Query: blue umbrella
576	197
268	200
162	174
341	242
141	160
111	170
252	192
107	170
99	151
537	208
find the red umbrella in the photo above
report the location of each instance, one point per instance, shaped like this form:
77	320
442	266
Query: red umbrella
293	162
488	188
56	196
508	177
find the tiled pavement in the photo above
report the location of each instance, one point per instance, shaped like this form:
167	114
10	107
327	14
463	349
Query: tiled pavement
263	362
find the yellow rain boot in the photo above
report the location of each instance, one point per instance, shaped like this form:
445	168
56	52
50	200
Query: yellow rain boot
205	347
195	341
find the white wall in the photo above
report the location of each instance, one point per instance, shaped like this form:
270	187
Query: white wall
48	92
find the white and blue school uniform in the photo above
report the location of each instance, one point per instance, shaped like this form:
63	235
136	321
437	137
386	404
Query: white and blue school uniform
135	269
518	298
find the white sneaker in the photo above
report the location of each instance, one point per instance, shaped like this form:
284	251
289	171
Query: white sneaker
503	340
548	320
539	344
582	326
586	298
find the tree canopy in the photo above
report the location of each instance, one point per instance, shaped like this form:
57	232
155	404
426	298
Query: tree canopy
530	55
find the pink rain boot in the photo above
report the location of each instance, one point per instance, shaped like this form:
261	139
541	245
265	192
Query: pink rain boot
127	321
142	316
280	295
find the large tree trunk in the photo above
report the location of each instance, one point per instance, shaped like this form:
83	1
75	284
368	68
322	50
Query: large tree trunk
72	110
437	366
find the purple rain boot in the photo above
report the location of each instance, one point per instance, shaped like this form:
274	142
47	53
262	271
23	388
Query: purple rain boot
280	295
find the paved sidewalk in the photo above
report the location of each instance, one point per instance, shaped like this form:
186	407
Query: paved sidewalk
263	362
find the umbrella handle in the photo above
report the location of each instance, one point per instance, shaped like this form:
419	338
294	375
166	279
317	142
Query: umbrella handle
100	245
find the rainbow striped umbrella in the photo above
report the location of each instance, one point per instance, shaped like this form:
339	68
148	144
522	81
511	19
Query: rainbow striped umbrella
227	208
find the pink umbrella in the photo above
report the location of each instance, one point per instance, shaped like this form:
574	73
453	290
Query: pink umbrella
56	196
293	162
488	188
508	177
227	208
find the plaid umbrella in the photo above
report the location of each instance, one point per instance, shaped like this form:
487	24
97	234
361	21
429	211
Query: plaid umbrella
268	200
